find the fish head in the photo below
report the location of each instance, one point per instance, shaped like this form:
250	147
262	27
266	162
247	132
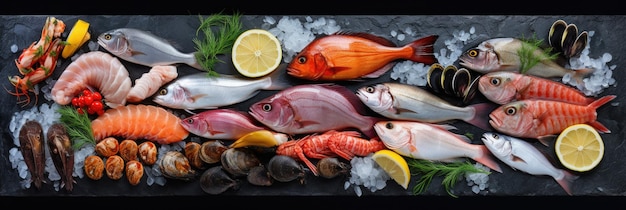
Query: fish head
307	65
393	134
275	112
498	144
514	118
482	58
173	96
195	124
377	97
498	86
114	41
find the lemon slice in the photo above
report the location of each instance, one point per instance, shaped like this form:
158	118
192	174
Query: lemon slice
579	147
260	138
395	165
256	53
76	38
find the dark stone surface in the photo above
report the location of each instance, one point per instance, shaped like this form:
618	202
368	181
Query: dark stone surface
605	180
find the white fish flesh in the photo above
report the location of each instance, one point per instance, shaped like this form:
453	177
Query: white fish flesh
150	82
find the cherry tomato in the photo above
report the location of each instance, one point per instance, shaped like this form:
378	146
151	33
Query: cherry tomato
88	100
75	103
86	92
81	102
96	106
96	96
100	112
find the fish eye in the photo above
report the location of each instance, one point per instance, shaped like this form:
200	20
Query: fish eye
510	110
163	92
107	36
495	136
495	81
472	53
190	121
389	125
301	59
370	89
267	107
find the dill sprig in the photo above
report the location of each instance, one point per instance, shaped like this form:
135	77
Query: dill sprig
531	53
78	126
451	171
213	44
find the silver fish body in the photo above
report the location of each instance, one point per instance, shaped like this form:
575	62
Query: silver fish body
197	91
523	156
142	47
406	102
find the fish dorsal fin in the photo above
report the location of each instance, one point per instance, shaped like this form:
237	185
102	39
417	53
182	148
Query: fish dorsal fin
372	37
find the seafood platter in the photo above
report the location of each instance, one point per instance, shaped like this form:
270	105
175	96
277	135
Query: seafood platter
150	105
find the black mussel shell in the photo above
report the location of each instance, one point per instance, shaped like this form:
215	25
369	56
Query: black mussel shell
470	91
331	167
434	77
259	176
285	169
569	38
555	36
447	78
578	46
215	181
460	82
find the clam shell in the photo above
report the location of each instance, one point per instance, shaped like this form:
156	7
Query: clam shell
175	165
259	176
134	172
211	151
215	181
192	152
114	167
239	161
128	150
285	169
147	152
331	167
107	147
555	36
94	167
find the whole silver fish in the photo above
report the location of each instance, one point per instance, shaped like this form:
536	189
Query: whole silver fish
197	91
523	156
406	102
145	48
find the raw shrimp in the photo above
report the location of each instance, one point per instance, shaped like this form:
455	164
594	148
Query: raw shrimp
93	70
150	82
139	122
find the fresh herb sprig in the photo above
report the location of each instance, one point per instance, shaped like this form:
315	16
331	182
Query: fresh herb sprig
451	171
531	53
78	126
212	44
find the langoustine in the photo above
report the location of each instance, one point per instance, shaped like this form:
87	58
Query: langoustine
62	154
139	122
93	70
32	148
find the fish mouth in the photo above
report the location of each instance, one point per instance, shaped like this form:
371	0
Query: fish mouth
495	122
294	72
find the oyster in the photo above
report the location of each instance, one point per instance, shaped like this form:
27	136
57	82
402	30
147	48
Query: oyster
331	167
239	161
216	181
94	167
175	165
285	169
147	152
128	150
134	172
32	148
107	147
114	167
62	154
211	151
192	152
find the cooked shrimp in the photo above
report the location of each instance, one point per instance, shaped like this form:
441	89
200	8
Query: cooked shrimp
139	122
150	82
93	70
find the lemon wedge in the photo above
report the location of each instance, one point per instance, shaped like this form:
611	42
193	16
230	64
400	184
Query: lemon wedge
76	38
260	138
579	147
256	53
395	165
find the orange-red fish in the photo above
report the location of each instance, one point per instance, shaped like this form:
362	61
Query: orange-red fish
503	87
533	118
349	56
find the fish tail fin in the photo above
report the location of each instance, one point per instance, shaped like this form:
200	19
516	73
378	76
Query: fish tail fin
481	115
278	80
596	104
567	181
194	62
580	74
368	128
487	159
424	50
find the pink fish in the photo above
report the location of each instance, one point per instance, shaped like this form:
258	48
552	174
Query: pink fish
534	118
503	87
312	108
435	142
227	124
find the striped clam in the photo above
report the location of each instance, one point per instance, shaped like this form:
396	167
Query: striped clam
564	38
452	81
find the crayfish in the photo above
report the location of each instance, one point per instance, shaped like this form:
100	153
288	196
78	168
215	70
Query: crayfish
37	62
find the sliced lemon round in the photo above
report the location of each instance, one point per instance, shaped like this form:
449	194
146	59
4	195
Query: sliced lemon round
256	53
579	147
395	165
76	38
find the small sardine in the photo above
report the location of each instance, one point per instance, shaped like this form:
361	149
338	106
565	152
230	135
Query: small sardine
142	47
523	156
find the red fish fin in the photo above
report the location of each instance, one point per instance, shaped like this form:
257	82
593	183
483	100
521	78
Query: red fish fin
567	181
306	123
481	115
547	140
424	50
319	62
486	159
372	37
580	74
380	71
